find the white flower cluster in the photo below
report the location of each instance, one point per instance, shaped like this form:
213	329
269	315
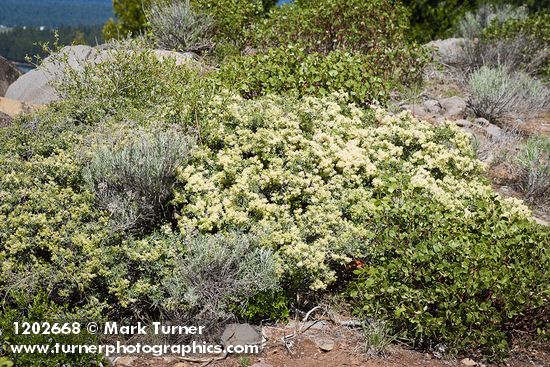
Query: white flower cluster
310	172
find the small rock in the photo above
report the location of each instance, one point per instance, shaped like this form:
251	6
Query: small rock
455	107
326	345
432	106
125	361
481	121
493	131
309	325
463	123
181	364
418	111
260	365
450	51
240	334
468	362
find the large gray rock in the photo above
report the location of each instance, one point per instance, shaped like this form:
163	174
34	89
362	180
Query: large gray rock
8	75
449	51
180	58
36	86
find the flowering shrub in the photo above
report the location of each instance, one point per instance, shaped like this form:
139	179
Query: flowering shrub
45	218
315	173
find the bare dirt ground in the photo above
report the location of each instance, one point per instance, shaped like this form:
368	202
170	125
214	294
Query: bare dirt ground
337	346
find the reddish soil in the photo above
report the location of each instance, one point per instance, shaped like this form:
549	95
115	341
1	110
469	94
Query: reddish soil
304	351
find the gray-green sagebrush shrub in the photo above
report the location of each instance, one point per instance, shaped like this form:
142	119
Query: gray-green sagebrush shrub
193	278
496	93
176	25
133	180
533	162
216	271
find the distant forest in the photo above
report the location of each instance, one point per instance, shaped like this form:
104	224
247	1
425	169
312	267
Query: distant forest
54	13
19	42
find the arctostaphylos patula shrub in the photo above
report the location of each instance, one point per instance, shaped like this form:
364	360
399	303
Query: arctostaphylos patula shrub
292	71
469	283
374	29
328	25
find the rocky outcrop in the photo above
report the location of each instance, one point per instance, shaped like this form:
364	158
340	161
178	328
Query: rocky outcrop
36	86
455	107
433	110
8	75
448	51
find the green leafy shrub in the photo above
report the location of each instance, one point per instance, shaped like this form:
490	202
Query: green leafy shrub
273	305
133	180
175	25
314	172
329	25
130	19
498	93
469	285
233	18
533	161
291	71
363	34
130	81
